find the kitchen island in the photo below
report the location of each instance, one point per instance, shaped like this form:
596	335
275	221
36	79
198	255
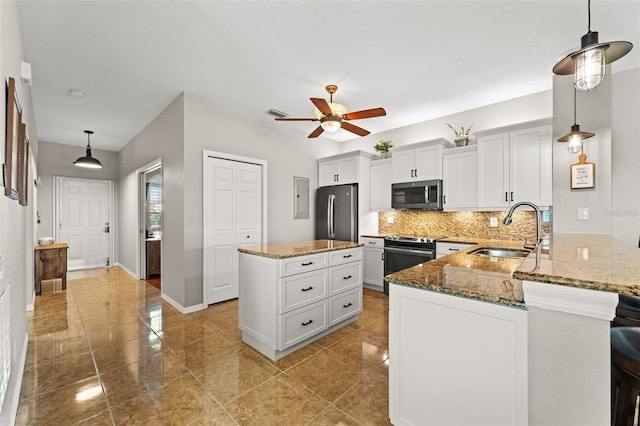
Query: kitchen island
480	340
293	294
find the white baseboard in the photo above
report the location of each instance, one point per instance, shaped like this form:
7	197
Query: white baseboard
124	268
182	309
15	398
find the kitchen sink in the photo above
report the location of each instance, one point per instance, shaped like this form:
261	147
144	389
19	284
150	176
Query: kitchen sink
500	252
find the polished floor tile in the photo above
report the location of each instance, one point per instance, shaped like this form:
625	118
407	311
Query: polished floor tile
109	351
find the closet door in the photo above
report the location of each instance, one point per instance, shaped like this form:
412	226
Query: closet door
232	218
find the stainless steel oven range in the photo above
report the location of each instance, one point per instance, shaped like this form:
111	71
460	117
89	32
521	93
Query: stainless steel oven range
405	252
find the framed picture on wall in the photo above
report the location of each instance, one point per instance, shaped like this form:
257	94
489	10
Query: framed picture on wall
14	119
23	165
583	174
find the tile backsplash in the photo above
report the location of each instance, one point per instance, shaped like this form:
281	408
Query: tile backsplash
462	224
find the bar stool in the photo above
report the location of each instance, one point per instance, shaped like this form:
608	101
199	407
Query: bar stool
627	312
625	374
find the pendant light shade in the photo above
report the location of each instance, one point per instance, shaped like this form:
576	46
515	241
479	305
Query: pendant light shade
575	136
589	62
88	161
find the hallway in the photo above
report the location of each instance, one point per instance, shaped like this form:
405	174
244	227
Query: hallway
109	351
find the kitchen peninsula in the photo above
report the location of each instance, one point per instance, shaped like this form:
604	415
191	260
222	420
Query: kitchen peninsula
293	294
481	340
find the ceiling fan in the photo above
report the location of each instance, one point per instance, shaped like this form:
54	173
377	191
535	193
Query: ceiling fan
333	116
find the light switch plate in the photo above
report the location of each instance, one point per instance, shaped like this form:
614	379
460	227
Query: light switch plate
493	222
390	219
583	213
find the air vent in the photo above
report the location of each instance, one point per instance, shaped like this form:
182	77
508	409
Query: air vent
277	113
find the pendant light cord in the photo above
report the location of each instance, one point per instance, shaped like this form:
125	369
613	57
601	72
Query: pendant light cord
575	120
589	15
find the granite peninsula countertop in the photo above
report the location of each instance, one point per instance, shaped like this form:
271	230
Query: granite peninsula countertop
302	248
595	262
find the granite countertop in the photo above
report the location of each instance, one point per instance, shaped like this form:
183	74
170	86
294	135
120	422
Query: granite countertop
594	262
302	248
462	274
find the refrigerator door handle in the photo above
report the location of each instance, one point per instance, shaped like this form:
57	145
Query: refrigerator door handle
329	216
332	230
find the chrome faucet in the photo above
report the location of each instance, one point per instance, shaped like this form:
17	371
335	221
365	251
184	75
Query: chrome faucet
507	221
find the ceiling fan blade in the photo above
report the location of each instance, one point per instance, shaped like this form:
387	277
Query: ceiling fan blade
355	129
296	119
316	132
366	113
322	105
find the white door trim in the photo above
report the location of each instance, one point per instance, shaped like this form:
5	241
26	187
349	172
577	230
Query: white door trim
224	156
140	172
57	209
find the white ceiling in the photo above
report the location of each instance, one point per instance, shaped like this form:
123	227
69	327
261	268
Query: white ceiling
419	60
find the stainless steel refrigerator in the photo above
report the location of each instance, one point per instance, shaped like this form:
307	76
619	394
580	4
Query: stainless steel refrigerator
337	213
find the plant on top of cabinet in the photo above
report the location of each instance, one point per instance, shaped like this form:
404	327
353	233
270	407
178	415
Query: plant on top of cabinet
383	147
462	136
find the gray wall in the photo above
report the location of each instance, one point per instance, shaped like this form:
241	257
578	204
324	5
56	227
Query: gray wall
16	221
611	111
57	160
163	138
513	111
625	155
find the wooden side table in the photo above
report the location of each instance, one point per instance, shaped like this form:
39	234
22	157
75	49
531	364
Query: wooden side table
51	263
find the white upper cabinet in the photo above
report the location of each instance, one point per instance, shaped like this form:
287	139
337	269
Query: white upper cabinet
381	175
459	178
421	162
514	166
339	171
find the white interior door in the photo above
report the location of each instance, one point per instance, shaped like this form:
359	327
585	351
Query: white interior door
232	218
84	221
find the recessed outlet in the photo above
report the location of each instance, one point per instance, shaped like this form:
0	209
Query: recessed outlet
390	219
583	213
493	222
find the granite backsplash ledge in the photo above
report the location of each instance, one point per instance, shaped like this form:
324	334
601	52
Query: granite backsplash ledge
462	224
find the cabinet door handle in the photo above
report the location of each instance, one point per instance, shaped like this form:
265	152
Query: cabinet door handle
347	305
307	263
506	197
416	173
453	249
371	242
307	323
383	252
411	172
512	196
444	199
307	289
346	256
347	277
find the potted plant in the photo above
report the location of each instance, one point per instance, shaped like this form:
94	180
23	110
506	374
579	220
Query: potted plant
383	147
462	136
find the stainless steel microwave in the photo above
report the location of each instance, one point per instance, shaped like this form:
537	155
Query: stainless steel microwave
422	195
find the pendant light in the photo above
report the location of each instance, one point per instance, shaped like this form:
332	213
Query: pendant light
588	63
575	136
88	161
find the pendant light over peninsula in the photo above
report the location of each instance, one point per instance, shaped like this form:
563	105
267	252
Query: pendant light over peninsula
88	161
589	62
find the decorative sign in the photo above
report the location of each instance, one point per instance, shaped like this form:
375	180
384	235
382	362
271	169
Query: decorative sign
583	174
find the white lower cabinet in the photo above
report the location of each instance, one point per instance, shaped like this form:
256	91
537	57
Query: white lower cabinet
455	361
373	263
285	304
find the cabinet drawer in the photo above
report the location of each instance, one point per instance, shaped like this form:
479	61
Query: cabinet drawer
299	264
340	257
373	242
302	289
345	277
344	306
299	325
444	249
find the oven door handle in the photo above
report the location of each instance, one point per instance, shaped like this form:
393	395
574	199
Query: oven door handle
408	251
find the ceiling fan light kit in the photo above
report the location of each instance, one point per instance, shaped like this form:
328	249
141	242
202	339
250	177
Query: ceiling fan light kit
333	116
589	62
88	161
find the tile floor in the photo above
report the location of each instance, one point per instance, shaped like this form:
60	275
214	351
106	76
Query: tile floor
108	350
